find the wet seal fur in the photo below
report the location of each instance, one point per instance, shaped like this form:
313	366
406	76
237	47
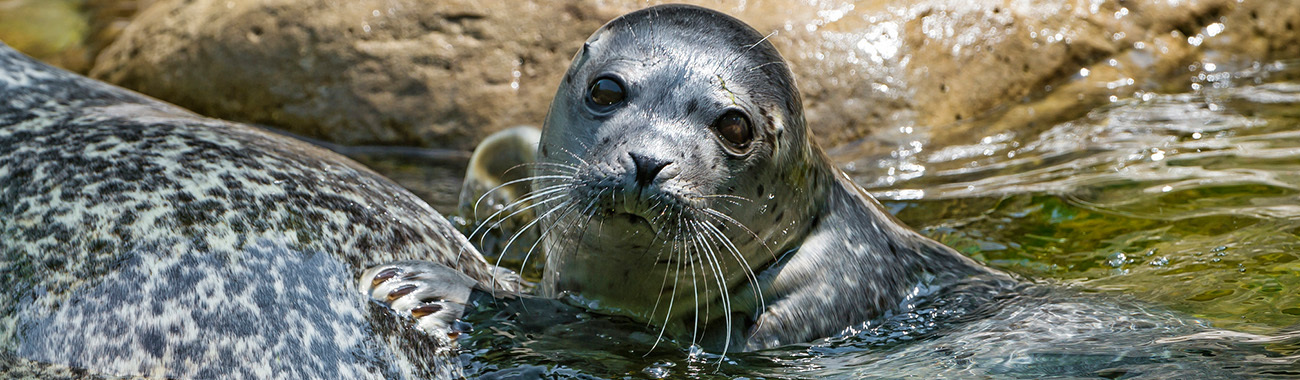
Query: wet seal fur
765	246
648	208
139	239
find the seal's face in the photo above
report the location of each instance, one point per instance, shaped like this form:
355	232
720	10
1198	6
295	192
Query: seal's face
669	150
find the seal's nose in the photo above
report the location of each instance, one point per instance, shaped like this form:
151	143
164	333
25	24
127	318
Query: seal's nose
647	168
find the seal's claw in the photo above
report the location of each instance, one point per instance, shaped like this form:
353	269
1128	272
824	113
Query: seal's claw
433	294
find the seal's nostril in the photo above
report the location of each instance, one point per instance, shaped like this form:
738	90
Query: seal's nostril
647	168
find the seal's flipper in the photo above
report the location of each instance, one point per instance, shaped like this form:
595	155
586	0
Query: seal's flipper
433	294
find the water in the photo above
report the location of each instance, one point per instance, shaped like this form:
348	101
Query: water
1183	200
1156	233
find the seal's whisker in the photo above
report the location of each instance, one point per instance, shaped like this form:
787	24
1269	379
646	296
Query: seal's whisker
677	279
495	220
663	283
710	269
487	222
575	156
731	247
569	225
749	270
550	191
719	216
545	166
744	264
730	199
569	228
566	204
719	279
508	183
521	231
528	197
695	286
750	275
660	253
765	64
541	171
747	49
727	196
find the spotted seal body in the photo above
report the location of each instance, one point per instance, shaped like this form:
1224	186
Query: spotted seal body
137	238
677	183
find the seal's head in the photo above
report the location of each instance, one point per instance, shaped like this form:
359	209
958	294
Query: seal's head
671	167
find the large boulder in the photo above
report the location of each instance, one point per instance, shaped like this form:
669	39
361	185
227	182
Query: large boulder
448	73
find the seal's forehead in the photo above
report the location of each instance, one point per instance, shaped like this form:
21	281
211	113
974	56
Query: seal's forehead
694	42
677	26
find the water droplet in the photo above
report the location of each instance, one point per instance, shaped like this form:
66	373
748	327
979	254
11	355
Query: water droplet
1117	260
1214	29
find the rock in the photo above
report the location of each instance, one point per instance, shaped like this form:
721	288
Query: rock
400	72
446	74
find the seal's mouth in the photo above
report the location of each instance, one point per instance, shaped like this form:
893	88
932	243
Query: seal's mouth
640	215
631	218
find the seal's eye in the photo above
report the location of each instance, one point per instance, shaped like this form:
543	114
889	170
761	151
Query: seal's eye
733	126
606	92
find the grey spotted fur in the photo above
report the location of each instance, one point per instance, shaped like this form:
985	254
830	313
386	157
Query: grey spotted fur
137	238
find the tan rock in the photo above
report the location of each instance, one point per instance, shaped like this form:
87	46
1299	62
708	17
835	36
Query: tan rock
448	73
400	72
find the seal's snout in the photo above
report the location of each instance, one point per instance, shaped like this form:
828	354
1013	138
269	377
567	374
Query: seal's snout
647	168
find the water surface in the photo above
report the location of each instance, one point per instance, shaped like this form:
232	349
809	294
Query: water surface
1156	233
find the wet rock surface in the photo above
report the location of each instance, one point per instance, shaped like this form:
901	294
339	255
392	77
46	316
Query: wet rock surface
446	74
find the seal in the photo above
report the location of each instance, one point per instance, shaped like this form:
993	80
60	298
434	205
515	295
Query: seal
677	183
139	239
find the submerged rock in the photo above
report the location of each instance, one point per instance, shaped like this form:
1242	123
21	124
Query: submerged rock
446	74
